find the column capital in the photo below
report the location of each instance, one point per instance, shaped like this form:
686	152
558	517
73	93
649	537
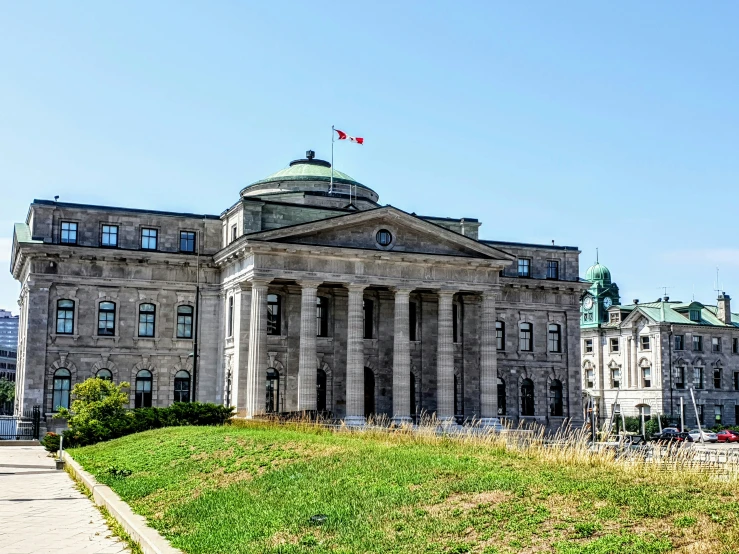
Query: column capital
401	290
447	292
260	282
309	284
490	294
356	287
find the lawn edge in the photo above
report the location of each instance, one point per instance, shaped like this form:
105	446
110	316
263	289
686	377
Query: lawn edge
148	539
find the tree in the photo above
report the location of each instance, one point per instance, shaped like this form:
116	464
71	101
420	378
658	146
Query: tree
7	391
97	412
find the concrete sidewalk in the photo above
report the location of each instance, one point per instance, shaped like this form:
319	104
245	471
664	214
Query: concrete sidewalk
42	511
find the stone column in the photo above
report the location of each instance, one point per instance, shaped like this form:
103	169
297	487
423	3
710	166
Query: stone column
257	359
488	361
355	357
401	359
307	368
445	360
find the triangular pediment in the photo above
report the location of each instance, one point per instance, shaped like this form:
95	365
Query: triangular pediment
385	229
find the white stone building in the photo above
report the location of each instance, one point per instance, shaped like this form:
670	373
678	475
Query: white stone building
298	298
652	354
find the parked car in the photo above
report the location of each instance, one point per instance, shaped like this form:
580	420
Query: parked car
727	435
703	436
671	434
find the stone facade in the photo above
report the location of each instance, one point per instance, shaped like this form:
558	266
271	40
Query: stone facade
298	300
646	357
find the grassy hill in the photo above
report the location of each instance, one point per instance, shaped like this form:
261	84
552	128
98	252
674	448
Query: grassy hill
255	489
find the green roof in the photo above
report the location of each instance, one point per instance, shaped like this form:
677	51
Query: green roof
678	313
23	233
308	172
598	272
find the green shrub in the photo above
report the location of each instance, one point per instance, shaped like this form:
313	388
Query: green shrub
98	413
50	442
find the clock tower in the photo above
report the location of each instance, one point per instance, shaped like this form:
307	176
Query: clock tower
602	294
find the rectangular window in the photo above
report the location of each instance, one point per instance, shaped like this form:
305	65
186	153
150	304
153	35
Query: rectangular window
552	269
588	346
274	314
230	316
147	313
590	377
614	345
647	377
616	378
695	315
65	317
736	384
412	321
718	412
697	343
69	233
455	322
187	241
715	344
698	377
525	332
184	322
700	414
644	342
109	236
233	233
614	317
148	239
679	342
735	347
368	308
500	335
106	319
717	378
555	338
680	378
524	267
322	316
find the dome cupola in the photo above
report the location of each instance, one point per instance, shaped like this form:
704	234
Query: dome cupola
598	273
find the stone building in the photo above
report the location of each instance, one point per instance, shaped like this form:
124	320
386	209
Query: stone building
653	353
305	295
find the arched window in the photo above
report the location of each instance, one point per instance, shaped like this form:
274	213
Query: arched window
147	316
65	317
104	374
322	316
525	337
62	386
274	314
106	319
230	316
273	391
321	391
182	386
500	335
501	397
184	322
527	397
143	389
555	398
555	338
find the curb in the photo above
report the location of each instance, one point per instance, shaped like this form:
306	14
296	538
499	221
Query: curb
19	443
150	541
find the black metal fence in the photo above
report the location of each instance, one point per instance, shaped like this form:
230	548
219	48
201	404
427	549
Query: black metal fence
23	427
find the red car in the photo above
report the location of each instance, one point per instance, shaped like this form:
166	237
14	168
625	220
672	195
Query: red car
727	436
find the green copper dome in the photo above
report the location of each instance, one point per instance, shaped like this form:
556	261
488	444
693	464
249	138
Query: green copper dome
598	273
308	172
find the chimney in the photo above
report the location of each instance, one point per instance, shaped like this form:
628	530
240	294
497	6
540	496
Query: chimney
724	308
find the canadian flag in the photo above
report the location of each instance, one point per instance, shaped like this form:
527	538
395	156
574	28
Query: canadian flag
344	136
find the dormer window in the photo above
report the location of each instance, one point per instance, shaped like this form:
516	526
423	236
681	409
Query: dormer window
695	315
615	317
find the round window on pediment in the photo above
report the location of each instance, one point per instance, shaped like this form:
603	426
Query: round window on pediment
384	237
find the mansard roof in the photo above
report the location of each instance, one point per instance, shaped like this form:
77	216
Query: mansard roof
676	313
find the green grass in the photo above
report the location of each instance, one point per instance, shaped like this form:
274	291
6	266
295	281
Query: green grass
254	489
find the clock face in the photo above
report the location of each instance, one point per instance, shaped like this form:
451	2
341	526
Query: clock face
588	303
607	302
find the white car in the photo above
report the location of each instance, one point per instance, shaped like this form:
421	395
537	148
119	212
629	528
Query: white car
695	434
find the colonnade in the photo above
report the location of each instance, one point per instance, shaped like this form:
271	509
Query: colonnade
307	371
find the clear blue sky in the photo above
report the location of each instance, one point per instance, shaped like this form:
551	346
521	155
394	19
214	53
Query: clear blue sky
612	126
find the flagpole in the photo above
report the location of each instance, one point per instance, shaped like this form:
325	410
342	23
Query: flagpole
331	187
